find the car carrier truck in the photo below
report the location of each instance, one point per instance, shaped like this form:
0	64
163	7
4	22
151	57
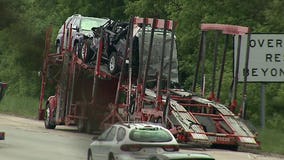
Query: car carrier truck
145	88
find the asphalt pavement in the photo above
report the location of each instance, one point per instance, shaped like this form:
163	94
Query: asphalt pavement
27	139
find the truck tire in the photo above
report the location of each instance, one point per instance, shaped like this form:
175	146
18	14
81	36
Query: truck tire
82	125
48	123
113	60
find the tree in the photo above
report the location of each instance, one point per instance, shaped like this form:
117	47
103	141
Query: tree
9	12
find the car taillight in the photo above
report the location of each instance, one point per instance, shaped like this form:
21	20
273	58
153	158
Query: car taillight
131	147
170	148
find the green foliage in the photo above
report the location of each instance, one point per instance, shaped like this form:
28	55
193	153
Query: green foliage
271	140
23	106
147	8
9	12
274	16
276	121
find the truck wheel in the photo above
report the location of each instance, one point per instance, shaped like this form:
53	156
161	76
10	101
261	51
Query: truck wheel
113	66
48	123
82	126
82	123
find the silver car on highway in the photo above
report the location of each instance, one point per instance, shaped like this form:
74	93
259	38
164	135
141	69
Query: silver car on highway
132	141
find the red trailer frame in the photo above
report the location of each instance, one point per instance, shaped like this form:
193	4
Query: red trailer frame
168	105
191	118
72	75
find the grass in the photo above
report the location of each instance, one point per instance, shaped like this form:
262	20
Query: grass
272	140
20	106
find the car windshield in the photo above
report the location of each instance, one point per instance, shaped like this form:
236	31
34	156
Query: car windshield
88	23
150	134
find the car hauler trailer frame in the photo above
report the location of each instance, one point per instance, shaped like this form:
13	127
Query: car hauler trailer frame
82	91
201	120
92	98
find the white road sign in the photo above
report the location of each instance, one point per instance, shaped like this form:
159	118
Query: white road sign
266	58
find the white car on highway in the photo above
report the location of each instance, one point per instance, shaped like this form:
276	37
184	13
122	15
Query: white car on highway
132	141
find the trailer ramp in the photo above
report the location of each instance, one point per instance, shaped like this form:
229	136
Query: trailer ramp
220	124
180	117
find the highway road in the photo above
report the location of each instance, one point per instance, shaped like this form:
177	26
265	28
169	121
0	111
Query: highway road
27	139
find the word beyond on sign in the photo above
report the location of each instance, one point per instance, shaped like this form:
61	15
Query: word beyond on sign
263	72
